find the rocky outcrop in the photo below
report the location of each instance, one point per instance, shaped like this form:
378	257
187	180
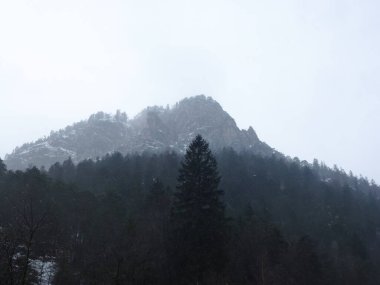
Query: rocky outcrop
155	129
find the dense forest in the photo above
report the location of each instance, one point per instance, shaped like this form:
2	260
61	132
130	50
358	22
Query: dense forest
199	218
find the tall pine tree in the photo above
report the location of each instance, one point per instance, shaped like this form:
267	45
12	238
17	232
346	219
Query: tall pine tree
198	218
3	168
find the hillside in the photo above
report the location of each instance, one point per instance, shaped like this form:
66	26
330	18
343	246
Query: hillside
155	129
109	221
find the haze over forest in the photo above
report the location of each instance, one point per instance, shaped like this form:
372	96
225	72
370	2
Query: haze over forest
304	75
189	142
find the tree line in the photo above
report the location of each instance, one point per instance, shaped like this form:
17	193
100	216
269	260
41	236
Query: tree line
228	218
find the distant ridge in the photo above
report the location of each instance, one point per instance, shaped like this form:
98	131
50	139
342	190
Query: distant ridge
155	129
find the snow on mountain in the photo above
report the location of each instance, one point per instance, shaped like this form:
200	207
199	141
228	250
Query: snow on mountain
155	129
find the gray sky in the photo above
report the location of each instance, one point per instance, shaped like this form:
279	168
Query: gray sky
304	74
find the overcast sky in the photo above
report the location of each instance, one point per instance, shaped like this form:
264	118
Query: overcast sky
304	74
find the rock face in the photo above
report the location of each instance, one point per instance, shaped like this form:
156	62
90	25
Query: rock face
155	129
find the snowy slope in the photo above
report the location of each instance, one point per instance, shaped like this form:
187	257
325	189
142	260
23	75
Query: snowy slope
155	129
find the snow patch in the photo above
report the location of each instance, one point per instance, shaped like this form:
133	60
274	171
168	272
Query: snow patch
45	269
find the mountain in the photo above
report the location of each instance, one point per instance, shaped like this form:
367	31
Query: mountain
155	129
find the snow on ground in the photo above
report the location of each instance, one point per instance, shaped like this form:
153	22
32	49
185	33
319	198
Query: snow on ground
45	269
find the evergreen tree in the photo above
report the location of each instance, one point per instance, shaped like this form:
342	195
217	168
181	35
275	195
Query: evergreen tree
307	268
198	218
3	168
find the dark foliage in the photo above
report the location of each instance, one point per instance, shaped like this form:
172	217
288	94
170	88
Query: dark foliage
198	223
118	219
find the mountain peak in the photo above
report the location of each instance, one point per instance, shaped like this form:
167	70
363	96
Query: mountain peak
199	99
155	129
200	104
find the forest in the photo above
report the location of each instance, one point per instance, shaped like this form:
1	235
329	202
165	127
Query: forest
197	218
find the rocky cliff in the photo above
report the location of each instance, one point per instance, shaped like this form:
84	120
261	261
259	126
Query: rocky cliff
155	129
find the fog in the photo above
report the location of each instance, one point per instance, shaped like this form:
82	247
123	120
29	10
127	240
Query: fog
304	74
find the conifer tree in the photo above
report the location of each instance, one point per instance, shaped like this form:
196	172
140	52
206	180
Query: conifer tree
3	168
198	218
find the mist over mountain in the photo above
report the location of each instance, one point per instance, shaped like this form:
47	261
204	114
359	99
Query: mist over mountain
155	129
140	201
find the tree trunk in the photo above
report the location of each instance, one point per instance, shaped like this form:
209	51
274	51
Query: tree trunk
26	266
